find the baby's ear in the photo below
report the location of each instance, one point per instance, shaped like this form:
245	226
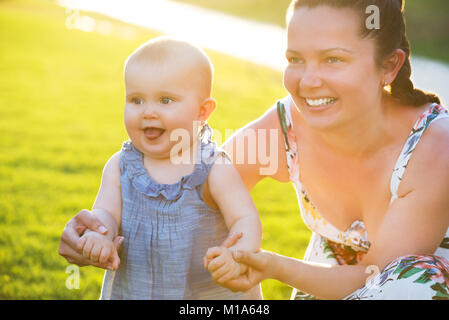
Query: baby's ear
206	108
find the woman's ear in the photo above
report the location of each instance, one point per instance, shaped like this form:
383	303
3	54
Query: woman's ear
392	64
206	108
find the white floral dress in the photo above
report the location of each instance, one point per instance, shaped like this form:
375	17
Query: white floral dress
407	277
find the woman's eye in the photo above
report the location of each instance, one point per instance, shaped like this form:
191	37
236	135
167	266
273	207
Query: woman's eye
137	100
333	60
294	60
166	100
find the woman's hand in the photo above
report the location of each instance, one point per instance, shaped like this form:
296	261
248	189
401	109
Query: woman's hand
71	248
261	265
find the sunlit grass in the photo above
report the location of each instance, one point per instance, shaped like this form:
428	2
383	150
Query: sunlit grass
61	109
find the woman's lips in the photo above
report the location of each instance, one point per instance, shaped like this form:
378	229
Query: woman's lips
153	133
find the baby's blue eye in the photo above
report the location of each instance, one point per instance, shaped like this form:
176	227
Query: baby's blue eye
166	100
137	100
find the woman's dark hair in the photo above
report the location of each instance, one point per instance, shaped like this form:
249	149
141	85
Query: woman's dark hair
390	36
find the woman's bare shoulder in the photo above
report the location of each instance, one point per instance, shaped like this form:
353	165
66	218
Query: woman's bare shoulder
430	159
263	153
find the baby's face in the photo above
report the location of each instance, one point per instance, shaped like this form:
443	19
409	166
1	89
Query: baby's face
160	98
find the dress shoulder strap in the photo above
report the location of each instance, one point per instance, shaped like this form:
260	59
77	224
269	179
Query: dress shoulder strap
291	150
434	112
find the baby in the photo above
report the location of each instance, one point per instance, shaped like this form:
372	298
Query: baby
170	210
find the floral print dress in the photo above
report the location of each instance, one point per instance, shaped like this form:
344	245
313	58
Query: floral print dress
407	277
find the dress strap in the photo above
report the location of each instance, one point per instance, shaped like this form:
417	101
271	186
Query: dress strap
291	150
434	112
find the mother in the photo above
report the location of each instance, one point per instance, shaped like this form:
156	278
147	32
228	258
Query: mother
366	154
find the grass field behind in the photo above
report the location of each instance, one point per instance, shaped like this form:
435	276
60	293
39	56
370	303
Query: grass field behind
61	110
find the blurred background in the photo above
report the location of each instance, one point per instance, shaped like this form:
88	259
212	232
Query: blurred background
61	109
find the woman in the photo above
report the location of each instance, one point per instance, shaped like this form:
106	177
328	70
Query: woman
373	193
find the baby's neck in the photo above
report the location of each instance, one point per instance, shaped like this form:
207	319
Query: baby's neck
170	170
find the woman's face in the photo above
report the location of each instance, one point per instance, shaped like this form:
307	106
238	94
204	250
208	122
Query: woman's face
331	73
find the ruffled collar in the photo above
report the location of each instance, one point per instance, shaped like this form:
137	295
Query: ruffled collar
142	181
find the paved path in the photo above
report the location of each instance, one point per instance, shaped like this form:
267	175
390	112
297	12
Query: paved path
259	43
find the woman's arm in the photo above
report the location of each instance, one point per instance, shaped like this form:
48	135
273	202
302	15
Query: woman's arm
257	150
415	223
321	280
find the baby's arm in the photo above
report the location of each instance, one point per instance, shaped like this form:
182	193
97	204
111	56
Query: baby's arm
240	214
107	208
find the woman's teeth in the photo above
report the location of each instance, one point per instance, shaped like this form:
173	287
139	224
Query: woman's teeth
320	102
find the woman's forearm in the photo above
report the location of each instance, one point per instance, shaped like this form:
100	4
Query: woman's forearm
321	280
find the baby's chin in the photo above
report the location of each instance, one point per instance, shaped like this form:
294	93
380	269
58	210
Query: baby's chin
158	151
176	152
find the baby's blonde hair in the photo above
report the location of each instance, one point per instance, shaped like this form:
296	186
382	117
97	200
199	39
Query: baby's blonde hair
165	49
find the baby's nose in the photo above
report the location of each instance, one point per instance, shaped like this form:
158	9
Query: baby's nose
150	113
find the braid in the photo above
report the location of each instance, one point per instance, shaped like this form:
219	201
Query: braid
402	87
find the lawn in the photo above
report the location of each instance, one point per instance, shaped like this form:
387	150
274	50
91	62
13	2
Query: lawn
61	109
427	22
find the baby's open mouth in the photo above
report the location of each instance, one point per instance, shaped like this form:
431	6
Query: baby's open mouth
153	132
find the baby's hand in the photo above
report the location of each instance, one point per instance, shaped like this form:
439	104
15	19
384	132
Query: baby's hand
98	248
221	264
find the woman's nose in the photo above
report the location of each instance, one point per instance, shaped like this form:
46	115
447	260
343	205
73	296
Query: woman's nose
310	79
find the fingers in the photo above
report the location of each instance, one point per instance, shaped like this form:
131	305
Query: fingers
118	242
105	253
88	246
232	273
213	252
69	239
223	272
216	263
72	256
95	252
231	240
254	260
114	260
86	218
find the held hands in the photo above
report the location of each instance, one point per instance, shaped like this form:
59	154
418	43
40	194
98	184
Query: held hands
253	267
222	266
70	246
98	248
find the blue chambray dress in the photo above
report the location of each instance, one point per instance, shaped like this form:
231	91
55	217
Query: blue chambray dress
167	229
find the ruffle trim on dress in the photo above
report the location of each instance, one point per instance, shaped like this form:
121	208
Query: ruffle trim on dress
142	181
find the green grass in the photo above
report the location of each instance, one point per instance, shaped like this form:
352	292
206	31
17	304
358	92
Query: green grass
61	110
427	22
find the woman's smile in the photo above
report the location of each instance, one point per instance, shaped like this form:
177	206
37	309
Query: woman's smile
319	104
